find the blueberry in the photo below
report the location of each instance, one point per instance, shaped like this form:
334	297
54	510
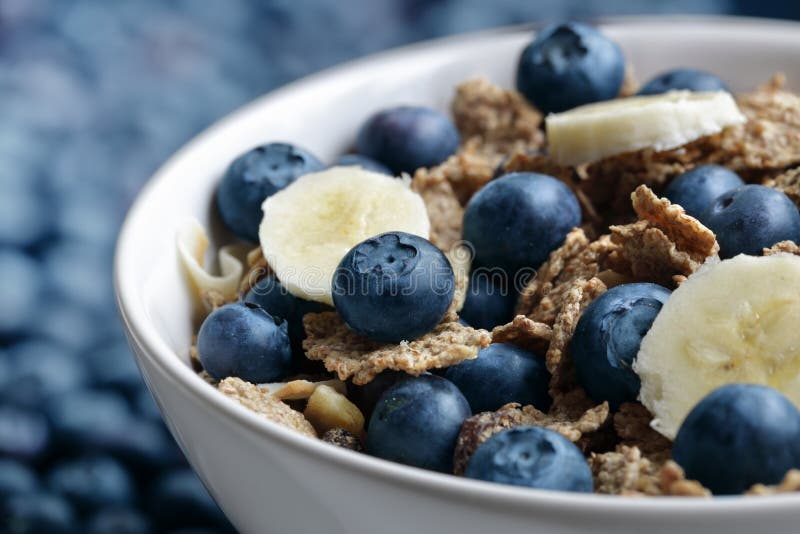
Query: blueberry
534	457
37	513
490	300
16	478
256	175
276	300
517	220
24	435
687	79
406	138
416	422
40	370
91	483
146	448
118	520
112	366
21	290
501	374
569	65
737	436
696	189
750	218
393	287
243	340
366	396
178	499
607	338
364	162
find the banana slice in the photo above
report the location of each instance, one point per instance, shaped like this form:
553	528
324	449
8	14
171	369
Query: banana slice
309	226
733	321
663	122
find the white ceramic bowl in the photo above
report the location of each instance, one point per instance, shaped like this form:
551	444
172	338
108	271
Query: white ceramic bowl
269	479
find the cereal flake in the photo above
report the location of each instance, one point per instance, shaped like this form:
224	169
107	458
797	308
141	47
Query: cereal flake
783	247
444	210
789	484
524	333
632	424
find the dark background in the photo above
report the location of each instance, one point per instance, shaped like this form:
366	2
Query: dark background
94	95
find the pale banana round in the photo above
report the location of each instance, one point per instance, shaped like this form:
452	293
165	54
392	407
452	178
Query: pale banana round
735	321
310	225
661	122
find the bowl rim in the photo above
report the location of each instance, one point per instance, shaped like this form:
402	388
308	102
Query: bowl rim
143	333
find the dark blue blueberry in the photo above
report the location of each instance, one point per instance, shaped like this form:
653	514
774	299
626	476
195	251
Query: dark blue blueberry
607	338
16	478
393	287
534	457
256	175
37	513
364	162
491	299
406	138
24	434
112	366
145	450
276	300
416	422
243	340
569	65
21	289
688	79
737	436
517	220
118	520
178	499
751	218
366	396
24	216
40	370
91	483
501	374
696	189
81	420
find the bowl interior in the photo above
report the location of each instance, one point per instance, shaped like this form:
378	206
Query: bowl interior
323	112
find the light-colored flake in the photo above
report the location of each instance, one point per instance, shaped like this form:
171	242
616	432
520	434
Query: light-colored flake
301	389
789	484
524	333
665	242
351	355
673	482
479	428
630	85
261	402
578	258
501	119
788	182
258	268
783	247
328	408
460	260
444	210
632	425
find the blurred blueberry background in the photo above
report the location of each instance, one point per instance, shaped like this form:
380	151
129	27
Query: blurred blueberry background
94	95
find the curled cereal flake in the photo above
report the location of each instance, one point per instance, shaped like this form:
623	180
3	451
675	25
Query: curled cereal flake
789	484
624	472
328	409
632	424
258	269
673	482
479	428
343	438
526	161
301	389
192	243
500	118
444	210
788	182
524	333
783	247
253	398
580	295
664	243
542	299
460	260
351	355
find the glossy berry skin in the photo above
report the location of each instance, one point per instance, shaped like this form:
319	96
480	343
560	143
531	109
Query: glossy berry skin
256	175
92	483
366	163
406	138
569	65
682	79
366	396
750	218
24	434
737	436
501	374
276	300
518	219
696	189
534	457
393	287
416	422
241	339
490	300
37	512
607	339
